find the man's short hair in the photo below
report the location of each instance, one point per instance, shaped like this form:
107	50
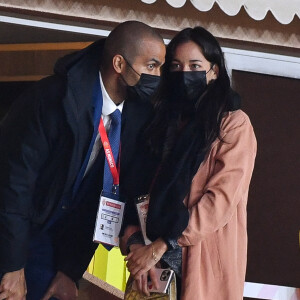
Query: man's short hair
126	39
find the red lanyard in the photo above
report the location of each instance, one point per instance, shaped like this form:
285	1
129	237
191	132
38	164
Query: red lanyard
108	153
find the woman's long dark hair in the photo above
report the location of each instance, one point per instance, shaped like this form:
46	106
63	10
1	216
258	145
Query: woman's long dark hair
209	108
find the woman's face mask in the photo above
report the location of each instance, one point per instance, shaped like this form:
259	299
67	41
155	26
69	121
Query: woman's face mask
187	87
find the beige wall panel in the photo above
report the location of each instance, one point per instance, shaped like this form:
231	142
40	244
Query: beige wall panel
28	63
32	61
161	15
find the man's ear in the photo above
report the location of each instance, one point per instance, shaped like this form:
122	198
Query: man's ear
118	63
215	70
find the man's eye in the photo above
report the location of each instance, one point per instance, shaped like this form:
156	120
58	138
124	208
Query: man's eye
151	66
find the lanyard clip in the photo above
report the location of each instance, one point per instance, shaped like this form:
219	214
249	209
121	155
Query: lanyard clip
115	188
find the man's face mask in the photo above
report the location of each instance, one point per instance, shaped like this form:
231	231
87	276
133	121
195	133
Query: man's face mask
145	88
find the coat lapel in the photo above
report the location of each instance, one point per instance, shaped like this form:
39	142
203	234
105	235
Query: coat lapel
78	105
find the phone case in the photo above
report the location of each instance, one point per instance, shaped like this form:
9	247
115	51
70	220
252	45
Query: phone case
164	278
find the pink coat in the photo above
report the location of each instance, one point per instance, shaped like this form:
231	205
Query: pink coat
215	241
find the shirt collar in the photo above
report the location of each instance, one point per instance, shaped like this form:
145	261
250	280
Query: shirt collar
108	105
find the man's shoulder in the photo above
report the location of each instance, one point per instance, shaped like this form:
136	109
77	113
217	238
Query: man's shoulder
51	86
43	99
47	93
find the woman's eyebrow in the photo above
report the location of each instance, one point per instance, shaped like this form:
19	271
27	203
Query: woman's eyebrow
191	60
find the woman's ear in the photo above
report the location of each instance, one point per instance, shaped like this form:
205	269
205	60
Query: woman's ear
215	70
118	63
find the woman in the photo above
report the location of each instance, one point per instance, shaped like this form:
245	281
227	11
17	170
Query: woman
199	195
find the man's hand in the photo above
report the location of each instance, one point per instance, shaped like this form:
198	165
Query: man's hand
13	286
130	229
62	287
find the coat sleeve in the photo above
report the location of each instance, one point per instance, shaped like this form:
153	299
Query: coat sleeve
228	184
74	246
74	253
23	151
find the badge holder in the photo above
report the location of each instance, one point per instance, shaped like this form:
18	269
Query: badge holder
142	205
109	219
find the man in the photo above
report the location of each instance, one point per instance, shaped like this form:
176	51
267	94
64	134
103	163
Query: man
52	160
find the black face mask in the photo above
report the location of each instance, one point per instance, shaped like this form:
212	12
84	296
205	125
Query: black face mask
186	87
145	88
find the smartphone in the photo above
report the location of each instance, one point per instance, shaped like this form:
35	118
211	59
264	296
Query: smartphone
164	277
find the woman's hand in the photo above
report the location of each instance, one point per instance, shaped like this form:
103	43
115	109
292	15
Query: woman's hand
142	259
142	282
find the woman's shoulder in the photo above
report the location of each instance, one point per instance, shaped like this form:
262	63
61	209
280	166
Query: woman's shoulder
235	119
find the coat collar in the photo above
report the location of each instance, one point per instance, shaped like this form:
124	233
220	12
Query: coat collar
81	77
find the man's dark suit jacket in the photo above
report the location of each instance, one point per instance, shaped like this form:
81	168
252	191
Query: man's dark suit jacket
43	142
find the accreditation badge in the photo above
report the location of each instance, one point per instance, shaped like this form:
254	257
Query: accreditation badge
142	205
109	221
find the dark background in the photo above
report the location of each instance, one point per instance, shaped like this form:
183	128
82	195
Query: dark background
273	105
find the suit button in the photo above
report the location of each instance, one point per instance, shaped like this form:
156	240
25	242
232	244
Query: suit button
64	207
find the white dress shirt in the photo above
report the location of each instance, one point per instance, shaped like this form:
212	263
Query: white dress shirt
108	107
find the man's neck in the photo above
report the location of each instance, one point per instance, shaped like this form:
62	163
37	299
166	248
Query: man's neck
112	85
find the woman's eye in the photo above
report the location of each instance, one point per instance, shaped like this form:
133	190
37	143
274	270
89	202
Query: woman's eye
195	66
174	67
